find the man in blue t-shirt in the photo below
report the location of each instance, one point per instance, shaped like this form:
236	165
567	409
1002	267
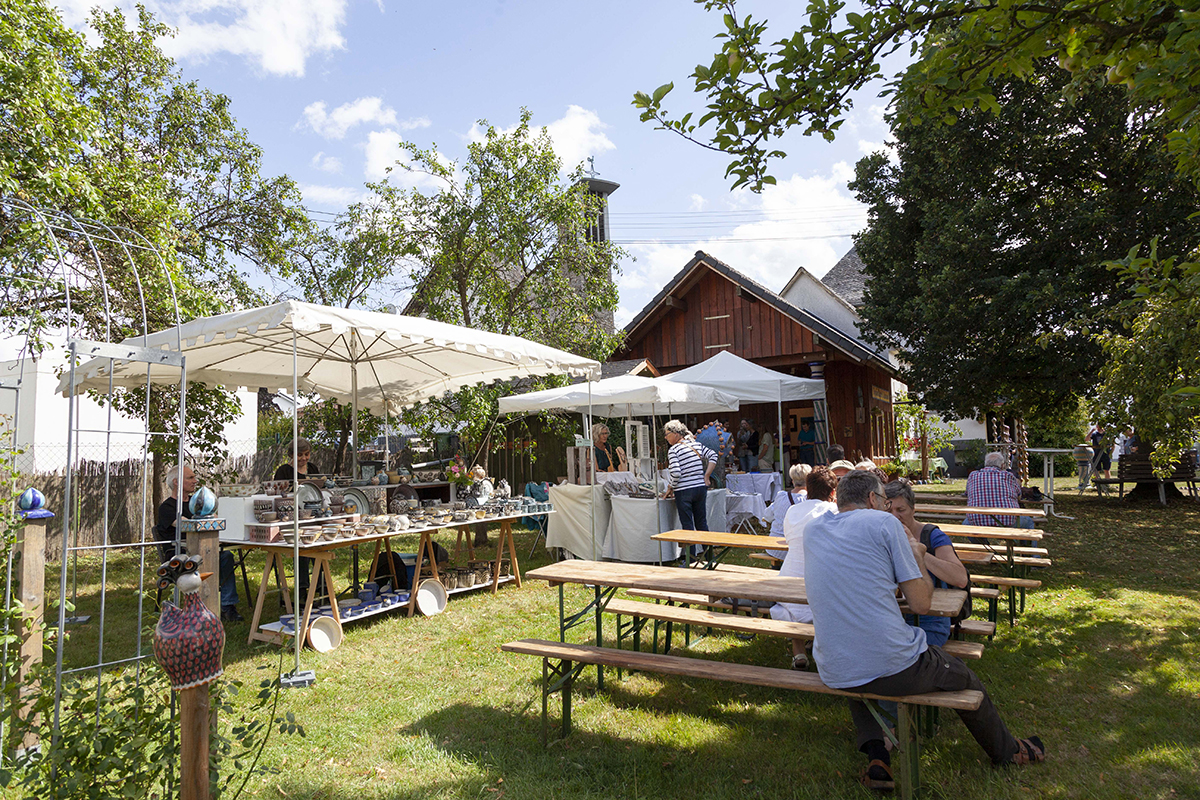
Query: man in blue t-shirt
853	563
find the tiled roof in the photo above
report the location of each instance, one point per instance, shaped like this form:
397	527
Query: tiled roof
848	278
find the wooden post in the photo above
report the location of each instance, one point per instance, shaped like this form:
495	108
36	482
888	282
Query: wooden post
203	540
924	456
31	549
195	721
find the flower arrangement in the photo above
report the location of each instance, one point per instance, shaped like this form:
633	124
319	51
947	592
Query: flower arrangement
459	475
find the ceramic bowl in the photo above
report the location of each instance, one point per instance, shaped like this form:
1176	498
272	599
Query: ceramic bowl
431	598
236	489
324	634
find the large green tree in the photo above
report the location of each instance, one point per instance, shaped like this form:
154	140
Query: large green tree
986	240
502	244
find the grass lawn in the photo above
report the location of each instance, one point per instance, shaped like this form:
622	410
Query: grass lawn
1104	666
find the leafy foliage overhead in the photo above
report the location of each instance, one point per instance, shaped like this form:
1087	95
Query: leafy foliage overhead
757	89
986	240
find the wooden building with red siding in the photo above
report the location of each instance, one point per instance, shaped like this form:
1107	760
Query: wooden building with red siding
709	307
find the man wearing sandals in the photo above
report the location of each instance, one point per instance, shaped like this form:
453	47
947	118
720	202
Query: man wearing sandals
853	563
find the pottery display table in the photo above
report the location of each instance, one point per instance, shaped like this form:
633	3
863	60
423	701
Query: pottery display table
279	554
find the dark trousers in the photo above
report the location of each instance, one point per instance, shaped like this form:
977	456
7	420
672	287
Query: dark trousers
934	671
693	509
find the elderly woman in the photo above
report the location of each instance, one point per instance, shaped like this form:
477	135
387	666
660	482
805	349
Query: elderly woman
690	464
604	458
786	499
287	472
940	559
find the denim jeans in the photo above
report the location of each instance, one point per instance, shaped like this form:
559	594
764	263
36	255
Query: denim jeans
749	463
693	509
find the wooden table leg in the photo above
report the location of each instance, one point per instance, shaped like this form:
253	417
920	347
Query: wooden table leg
322	563
262	595
426	543
506	541
325	565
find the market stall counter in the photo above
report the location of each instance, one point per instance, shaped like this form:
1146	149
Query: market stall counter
322	540
632	526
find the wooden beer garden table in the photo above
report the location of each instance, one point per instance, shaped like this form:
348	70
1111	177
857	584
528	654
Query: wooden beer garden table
933	508
606	577
717	545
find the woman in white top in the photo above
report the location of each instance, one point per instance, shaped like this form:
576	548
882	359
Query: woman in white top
822	499
784	500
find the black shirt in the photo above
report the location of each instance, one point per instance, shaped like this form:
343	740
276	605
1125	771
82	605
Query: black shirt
287	473
603	463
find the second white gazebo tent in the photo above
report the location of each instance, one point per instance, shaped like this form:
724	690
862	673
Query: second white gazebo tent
750	383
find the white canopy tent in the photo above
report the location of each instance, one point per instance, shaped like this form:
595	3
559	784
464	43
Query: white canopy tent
381	362
751	383
623	395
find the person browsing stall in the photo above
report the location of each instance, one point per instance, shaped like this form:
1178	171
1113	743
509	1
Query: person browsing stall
164	532
690	466
766	452
605	462
854	561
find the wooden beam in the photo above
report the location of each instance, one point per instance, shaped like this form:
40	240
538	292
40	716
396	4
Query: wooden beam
675	302
745	295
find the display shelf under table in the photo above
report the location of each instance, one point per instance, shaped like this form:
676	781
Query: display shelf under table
279	553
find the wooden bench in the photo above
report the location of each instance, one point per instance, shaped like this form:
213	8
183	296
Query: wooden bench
1013	585
1131	469
562	663
673	614
999	550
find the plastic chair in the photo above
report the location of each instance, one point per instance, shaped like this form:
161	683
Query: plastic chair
541	493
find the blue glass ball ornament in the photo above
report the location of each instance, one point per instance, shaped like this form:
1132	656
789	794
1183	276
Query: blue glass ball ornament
31	500
203	502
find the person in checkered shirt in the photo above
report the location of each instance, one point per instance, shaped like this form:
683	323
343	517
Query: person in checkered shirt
993	487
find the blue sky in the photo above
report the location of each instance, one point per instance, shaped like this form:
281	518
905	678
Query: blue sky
328	87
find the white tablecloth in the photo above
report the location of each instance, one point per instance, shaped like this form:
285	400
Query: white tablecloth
571	525
741	507
763	484
624	477
633	522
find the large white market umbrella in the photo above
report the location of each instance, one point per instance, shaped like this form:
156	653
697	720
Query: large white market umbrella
382	362
394	361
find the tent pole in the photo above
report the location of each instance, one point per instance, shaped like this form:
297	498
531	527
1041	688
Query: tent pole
354	403
591	487
779	441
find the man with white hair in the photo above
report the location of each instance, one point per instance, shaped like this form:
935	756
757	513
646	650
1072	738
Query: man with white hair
993	487
164	531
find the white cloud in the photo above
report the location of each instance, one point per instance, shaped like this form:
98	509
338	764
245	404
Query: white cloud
326	163
698	203
363	111
383	150
331	196
576	135
803	221
279	36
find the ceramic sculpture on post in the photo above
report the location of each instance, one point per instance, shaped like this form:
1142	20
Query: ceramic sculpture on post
189	643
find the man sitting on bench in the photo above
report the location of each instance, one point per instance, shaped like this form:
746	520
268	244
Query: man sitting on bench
853	563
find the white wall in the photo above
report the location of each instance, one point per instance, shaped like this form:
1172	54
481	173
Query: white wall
43	415
811	295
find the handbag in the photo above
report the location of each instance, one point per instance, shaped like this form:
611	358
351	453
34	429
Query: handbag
926	537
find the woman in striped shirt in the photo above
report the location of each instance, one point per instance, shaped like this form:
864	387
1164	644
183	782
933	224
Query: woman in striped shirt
690	464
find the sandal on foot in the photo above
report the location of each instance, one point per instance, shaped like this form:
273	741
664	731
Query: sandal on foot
878	776
1029	751
800	661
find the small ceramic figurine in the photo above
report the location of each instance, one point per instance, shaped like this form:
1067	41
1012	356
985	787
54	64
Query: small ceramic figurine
503	490
189	641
